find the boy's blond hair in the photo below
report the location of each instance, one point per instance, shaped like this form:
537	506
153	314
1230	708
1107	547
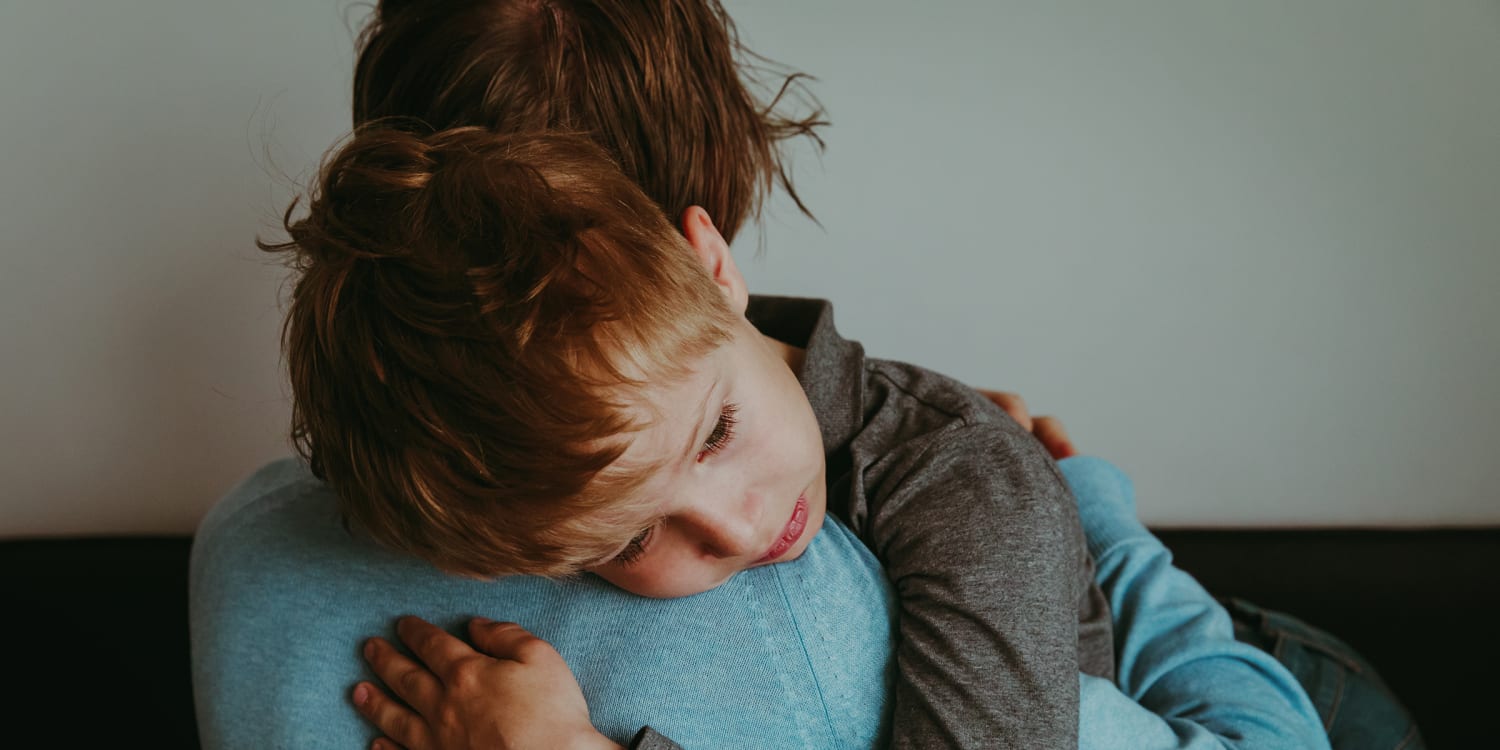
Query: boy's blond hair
472	316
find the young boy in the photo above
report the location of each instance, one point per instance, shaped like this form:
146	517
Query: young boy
505	359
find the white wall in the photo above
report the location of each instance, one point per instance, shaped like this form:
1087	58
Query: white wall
1247	250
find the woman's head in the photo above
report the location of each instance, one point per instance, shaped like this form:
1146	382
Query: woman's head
657	83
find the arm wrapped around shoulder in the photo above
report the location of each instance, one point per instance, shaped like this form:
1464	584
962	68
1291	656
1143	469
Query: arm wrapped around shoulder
982	542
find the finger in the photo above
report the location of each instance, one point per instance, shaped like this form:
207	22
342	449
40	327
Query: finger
1054	437
1012	404
437	648
410	681
507	640
399	723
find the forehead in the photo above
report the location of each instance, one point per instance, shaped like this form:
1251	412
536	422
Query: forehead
669	412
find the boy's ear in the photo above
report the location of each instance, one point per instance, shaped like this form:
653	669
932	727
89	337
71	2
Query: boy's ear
714	253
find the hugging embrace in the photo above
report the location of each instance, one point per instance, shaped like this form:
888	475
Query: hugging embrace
624	502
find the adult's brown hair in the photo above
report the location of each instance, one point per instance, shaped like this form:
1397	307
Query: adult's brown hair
664	85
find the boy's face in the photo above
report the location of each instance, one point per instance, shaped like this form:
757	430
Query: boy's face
742	477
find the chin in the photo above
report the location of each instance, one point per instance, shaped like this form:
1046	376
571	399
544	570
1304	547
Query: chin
814	527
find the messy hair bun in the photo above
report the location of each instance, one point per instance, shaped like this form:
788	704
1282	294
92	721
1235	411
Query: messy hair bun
666	87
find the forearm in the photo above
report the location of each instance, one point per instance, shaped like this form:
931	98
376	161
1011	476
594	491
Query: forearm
946	694
1183	680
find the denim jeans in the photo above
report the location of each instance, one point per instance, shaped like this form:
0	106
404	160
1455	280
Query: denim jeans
1358	709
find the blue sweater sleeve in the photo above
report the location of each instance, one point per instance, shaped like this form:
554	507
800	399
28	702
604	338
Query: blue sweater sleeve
1184	681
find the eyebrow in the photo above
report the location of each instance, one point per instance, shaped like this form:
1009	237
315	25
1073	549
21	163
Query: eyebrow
692	444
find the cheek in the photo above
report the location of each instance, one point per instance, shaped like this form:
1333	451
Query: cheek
663	579
791	421
797	411
804	435
625	579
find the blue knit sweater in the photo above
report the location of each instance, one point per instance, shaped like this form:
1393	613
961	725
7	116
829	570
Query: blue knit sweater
791	655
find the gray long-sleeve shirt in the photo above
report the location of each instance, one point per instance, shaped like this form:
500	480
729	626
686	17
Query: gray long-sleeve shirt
998	610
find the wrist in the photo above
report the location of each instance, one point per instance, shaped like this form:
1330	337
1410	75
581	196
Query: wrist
594	740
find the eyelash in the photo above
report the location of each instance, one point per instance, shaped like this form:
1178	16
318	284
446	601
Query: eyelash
635	548
722	433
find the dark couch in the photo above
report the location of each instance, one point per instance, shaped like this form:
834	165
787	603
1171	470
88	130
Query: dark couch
100	624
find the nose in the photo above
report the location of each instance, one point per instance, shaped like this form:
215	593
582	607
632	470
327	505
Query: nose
727	526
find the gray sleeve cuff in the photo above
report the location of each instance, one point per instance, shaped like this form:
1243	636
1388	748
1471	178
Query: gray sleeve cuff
650	739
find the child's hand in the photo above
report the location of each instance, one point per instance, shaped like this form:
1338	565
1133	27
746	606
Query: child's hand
518	694
1046	429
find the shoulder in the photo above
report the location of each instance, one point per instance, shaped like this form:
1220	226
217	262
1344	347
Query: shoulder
929	441
945	477
934	423
279	494
279	532
911	387
979	468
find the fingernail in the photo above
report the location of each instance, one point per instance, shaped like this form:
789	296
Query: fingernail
369	650
482	621
361	694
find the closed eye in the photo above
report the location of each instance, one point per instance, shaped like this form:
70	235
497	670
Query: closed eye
636	548
722	433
